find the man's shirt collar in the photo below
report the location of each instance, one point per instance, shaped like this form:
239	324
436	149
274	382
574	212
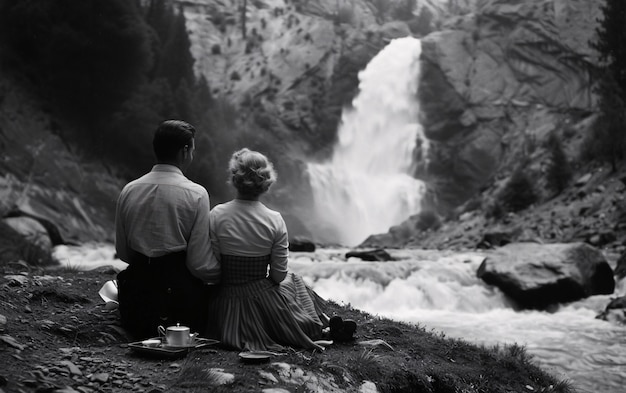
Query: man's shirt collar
166	168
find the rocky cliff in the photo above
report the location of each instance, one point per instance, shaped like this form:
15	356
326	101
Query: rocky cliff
496	83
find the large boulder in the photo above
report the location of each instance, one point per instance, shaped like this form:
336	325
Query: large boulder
32	230
376	255
540	275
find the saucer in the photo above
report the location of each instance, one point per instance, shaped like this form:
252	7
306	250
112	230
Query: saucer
153	342
256	356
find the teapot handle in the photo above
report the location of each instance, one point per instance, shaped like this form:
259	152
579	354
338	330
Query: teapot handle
161	330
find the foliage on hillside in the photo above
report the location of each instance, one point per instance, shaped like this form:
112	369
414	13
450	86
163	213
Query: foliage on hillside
113	70
607	142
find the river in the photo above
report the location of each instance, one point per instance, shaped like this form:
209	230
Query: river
439	290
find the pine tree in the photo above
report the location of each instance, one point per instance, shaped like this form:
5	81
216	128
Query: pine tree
85	55
559	171
611	41
176	61
518	192
608	140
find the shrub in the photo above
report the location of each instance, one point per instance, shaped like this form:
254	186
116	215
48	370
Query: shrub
428	220
234	76
559	170
518	193
249	46
216	49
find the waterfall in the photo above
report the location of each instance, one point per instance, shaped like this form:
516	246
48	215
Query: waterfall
366	187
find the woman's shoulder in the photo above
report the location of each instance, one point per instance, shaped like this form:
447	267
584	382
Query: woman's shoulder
271	212
222	207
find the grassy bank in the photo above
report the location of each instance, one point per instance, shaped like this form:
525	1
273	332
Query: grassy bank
59	336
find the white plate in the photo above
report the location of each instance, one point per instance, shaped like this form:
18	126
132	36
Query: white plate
255	356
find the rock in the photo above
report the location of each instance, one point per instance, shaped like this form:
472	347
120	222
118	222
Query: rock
268	376
601	238
620	268
539	275
32	230
395	29
615	311
15	280
220	377
583	180
299	244
74	370
368	387
11	341
497	239
370	255
100	377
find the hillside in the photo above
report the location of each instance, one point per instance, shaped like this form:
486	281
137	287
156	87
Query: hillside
285	78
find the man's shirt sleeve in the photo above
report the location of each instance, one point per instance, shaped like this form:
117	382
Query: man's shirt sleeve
121	246
201	259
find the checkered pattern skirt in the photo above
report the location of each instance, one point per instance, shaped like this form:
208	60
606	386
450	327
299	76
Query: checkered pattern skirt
251	312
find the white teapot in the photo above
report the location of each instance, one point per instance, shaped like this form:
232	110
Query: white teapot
177	336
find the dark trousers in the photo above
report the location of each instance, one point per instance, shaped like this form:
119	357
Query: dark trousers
160	291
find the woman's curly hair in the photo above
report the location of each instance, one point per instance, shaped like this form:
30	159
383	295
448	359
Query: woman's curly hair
251	173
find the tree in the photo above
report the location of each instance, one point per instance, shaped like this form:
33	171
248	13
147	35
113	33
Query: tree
611	41
608	138
176	61
244	9
559	171
518	193
85	55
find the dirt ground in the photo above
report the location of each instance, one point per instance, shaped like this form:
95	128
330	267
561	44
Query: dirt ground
57	335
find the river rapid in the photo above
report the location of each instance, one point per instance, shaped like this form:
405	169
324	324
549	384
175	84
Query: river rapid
439	291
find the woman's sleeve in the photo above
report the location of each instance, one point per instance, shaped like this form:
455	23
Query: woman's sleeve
215	244
280	252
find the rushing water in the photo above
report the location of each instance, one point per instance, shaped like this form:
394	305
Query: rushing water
366	187
439	290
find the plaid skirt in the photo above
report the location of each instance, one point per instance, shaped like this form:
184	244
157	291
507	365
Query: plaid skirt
261	315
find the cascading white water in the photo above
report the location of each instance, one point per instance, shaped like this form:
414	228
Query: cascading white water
367	187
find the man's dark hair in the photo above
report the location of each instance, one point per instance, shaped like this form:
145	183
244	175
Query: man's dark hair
171	136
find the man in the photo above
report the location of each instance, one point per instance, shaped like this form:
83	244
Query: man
162	232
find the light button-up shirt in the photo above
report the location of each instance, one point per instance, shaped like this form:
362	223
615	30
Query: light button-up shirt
163	212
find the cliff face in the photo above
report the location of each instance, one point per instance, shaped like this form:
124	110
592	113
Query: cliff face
496	82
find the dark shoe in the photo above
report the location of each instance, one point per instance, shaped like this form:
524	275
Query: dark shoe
340	330
349	326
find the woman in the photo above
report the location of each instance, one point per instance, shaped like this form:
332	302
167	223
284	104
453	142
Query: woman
260	306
